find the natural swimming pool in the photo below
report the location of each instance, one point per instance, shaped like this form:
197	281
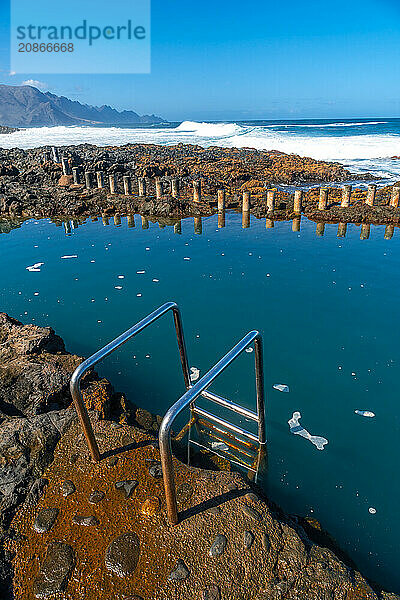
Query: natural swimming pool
326	306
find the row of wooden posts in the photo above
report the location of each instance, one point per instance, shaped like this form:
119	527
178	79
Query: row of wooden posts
198	225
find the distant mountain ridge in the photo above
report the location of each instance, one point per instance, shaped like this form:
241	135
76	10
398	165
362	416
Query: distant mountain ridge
26	106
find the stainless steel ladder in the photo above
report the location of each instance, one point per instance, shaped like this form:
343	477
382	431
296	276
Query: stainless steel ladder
187	400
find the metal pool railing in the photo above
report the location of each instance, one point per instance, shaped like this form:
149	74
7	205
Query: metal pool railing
111	347
187	400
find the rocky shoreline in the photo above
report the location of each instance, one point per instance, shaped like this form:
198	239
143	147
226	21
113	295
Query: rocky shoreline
71	528
86	180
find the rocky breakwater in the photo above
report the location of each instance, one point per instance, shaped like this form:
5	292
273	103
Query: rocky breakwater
5	130
75	529
32	184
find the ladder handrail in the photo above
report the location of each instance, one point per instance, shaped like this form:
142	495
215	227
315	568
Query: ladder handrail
111	347
189	398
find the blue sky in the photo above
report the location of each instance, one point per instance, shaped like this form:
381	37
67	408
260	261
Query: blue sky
261	59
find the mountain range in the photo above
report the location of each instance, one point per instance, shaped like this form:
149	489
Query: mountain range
26	106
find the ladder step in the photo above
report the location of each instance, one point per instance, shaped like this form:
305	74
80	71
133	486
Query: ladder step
233	460
239	430
250	446
245	412
228	443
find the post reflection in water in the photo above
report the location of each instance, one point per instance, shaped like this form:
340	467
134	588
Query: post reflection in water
341	230
106	220
198	226
94	219
245	219
269	223
145	223
117	220
320	230
296	224
130	219
221	219
389	231
365	230
67	227
178	227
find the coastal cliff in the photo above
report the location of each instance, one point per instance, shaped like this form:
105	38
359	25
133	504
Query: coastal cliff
71	528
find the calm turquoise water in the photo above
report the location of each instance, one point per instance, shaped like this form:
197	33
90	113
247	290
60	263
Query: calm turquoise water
327	308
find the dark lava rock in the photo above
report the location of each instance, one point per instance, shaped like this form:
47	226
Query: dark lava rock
248	539
144	418
231	487
252	513
45	519
55	570
214	510
265	541
184	492
180	572
127	486
96	496
88	521
155	470
113	461
218	546
122	554
67	488
211	593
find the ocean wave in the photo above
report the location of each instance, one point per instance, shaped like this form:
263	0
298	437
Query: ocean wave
322	126
374	149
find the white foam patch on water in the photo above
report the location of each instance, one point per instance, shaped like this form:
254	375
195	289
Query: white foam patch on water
219	446
297	429
194	374
35	268
70	256
365	413
281	387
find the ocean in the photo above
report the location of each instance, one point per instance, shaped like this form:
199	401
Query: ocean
363	145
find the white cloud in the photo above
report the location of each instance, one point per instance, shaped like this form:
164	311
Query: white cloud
37	84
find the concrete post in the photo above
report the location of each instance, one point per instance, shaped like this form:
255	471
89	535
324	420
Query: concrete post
395	197
88	182
130	219
75	174
65	166
198	226
370	199
113	183
296	224
271	200
323	198
245	219
178	228
269	223
142	187
159	188
100	179
196	191
298	201
221	219
320	230
127	185
246	202
54	154
365	230
221	200
341	230
175	187
389	231
346	195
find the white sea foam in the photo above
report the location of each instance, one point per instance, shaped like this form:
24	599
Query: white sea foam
360	151
297	429
35	268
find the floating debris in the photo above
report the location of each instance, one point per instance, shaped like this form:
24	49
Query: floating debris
156	280
365	413
118	287
281	387
70	256
249	350
35	268
219	446
372	510
194	373
186	258
140	272
297	429
121	276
